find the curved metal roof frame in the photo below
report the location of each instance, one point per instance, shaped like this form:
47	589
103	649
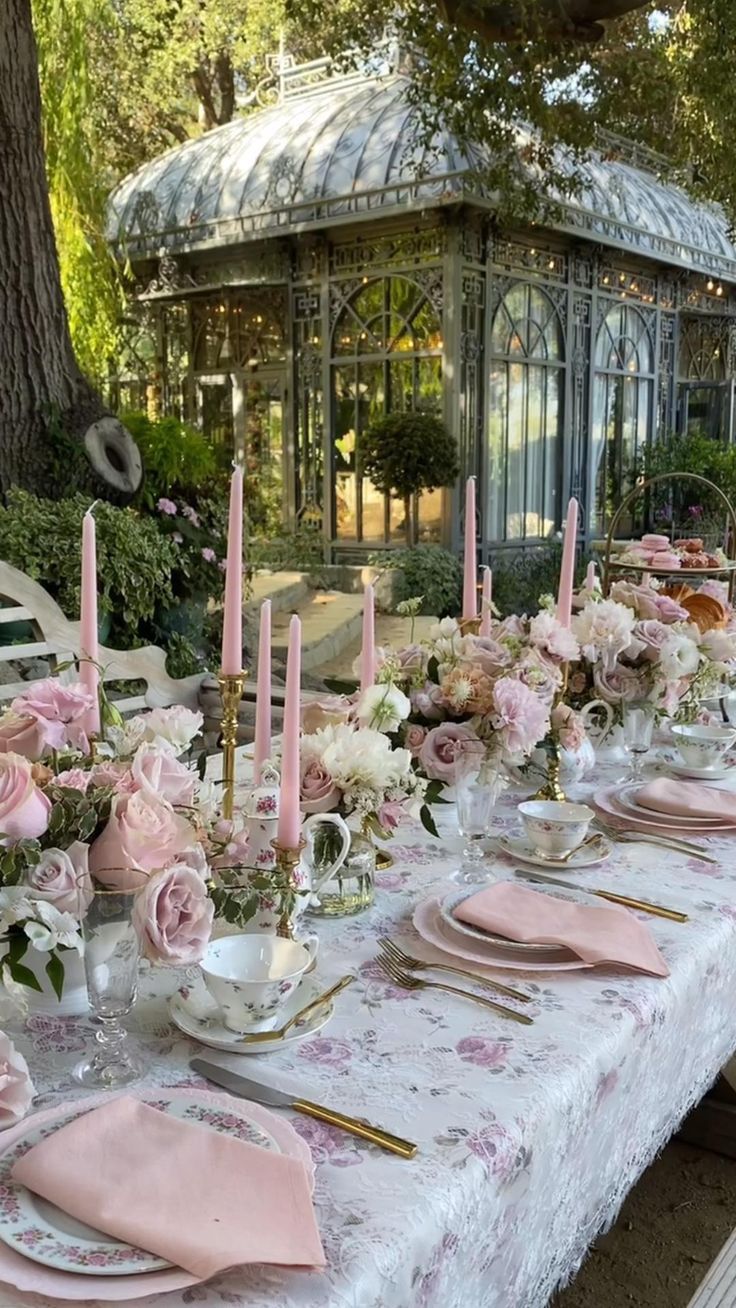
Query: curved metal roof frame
350	148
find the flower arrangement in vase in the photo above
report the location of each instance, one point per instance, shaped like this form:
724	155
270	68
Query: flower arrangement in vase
68	818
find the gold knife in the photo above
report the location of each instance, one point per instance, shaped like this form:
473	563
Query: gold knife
266	1094
656	910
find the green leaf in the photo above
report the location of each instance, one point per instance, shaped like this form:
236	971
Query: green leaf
24	976
433	670
55	974
17	947
427	821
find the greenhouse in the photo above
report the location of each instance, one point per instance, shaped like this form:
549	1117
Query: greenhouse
300	271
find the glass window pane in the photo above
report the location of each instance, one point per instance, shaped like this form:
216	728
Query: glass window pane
498	418
430	515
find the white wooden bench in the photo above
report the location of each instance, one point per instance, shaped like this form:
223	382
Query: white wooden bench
718	1290
57	641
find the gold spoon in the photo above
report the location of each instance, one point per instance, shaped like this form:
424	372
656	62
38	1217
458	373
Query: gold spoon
254	1036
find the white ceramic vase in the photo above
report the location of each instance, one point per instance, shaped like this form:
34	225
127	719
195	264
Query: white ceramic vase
73	1002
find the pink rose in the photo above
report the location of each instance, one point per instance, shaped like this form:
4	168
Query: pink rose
16	1087
24	809
717	590
58	709
116	775
319	794
569	727
61	876
143	834
443	745
412	658
390	814
619	683
74	779
173	916
513	625
539	673
427	702
488	655
327	711
414	738
521	717
158	772
652	633
647	603
21	734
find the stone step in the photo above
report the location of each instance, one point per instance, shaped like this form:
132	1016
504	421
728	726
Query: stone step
392	631
331	621
286	590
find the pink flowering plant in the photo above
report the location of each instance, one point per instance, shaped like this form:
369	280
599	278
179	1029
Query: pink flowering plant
69	820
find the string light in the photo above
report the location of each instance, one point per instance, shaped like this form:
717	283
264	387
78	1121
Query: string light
719	289
551	263
710	284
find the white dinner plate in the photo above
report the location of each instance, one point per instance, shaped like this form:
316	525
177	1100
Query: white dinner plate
519	848
436	931
626	800
195	1013
44	1233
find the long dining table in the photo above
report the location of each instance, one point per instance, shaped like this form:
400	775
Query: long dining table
529	1137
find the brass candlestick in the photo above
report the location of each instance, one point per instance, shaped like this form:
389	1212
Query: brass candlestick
552	788
231	690
287	859
469	626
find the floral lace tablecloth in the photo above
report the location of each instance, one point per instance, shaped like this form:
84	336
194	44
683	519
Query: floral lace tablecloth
529	1137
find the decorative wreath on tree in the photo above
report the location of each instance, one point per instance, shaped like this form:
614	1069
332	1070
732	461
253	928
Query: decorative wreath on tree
404	454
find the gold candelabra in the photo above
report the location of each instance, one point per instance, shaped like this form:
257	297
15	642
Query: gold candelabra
287	860
552	787
231	690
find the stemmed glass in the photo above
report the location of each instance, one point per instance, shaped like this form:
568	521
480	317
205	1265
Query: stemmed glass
476	791
111	957
638	721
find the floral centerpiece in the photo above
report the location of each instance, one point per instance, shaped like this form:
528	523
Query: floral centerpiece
645	643
67	817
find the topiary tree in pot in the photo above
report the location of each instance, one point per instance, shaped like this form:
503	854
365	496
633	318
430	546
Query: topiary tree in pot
404	454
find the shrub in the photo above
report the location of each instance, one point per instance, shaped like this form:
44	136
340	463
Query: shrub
691	508
288	551
177	459
520	581
43	538
406	453
428	571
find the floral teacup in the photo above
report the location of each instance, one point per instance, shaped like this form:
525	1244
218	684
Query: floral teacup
252	977
702	746
555	828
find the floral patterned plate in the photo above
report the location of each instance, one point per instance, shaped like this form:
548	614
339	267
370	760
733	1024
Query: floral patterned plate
719	773
42	1232
432	927
195	1013
451	903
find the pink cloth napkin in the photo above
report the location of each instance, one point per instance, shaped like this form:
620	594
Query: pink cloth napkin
204	1201
597	935
688	799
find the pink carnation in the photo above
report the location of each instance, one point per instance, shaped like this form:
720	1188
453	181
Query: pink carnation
520	716
74	779
59	711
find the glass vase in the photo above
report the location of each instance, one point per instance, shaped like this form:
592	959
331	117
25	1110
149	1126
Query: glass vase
352	888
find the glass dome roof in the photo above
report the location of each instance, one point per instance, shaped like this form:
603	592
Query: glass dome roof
350	148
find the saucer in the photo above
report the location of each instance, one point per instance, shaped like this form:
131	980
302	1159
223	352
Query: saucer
717	773
519	848
195	1013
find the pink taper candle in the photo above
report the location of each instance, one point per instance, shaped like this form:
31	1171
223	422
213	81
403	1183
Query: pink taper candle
232	627
262	750
289	811
485	608
567	571
88	642
470	599
368	648
590	576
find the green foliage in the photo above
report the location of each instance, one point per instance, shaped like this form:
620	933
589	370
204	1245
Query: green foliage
177	459
688	506
518	582
406	453
429	572
43	538
288	551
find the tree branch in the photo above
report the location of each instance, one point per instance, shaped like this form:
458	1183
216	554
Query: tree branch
560	20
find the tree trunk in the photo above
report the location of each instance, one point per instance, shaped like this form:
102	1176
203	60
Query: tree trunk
41	386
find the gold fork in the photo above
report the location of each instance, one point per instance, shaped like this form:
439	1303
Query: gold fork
402	959
409	982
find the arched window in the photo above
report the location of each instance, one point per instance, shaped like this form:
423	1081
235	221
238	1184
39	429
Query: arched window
623	406
525	416
386	358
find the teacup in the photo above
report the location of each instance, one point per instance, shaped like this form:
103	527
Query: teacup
701	746
252	977
553	827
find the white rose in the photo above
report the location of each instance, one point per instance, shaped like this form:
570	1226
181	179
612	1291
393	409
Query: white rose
176	726
719	645
604	629
383	708
679	656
